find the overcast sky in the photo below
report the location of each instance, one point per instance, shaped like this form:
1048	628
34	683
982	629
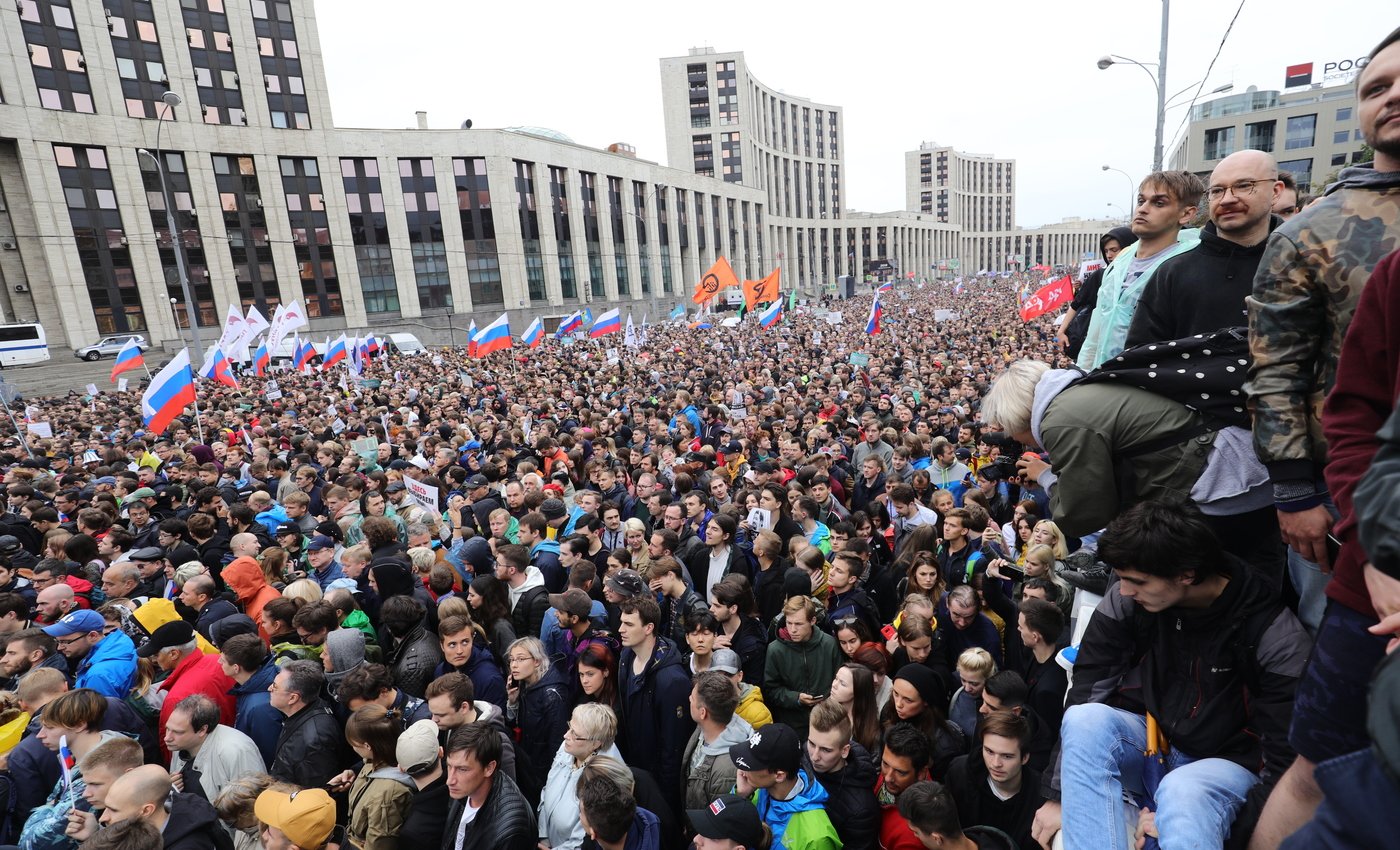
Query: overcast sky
1012	78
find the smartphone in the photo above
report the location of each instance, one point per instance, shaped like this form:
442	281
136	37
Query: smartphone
889	632
1334	549
1012	567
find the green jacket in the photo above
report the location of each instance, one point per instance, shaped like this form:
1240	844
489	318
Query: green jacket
358	619
799	668
1118	300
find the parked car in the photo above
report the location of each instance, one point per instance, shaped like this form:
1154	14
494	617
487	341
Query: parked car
108	346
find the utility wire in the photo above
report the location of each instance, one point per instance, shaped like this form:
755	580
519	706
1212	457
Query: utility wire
1187	117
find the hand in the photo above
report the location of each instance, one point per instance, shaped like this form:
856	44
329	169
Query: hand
1032	467
177	781
1385	598
1305	532
1062	340
1046	823
742	785
1147	825
723	641
994	569
808	699
81	825
342	780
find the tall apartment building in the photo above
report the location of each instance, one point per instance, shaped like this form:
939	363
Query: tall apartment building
973	192
1312	131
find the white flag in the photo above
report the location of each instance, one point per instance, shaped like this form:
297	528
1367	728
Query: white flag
234	326
629	338
274	330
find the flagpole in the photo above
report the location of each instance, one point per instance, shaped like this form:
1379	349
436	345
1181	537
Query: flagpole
199	423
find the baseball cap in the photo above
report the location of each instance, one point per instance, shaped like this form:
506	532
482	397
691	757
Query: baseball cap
141	493
288	528
172	634
420	462
396	487
729	817
417	747
320	542
476	481
572	601
625	582
724	660
306	817
108	480
148	553
774	747
76	623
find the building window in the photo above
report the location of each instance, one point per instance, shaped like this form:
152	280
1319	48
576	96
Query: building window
639	204
87	184
1220	143
1300	132
311	236
281	66
478	230
588	194
240	197
1339	159
1301	170
211	53
563	232
1343	114
1341	137
1260	136
418	181
369	232
177	180
140	64
619	232
530	228
56	55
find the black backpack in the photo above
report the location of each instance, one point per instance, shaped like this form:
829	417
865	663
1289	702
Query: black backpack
1205	373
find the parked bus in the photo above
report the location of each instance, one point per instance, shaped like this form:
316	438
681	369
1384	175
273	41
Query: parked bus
22	344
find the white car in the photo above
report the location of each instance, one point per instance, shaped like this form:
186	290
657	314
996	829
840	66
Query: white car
108	346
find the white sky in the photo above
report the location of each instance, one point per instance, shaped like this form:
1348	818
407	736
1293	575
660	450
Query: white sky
1013	78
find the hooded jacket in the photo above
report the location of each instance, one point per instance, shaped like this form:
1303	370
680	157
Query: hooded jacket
110	666
255	716
245	578
197	673
1219	680
560	828
709	771
800	822
541	715
544	556
654	715
193	825
752	707
216	609
486	676
1199	291
1087	295
798	668
850	804
529	603
504	821
1310	280
1118	299
379	801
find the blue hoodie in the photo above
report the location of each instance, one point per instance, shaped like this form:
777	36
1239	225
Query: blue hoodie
486	676
255	716
273	517
110	666
544	555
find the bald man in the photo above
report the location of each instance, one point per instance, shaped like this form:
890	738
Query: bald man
186	821
1204	290
53	602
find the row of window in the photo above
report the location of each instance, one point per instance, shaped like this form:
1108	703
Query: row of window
60	70
1300	132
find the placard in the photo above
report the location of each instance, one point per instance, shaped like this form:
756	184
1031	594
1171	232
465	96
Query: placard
834	318
41	429
121	385
338	425
92	389
859	358
613	357
424	495
367	448
760	519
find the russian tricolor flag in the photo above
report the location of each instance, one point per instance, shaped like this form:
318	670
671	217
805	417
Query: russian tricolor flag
170	392
335	353
534	334
471	339
887	286
261	359
304	351
218	368
569	325
494	337
770	317
128	358
701	325
608	323
872	324
372	346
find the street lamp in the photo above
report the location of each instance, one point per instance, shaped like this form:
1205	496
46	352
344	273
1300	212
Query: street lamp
1157	82
1132	186
1112	205
172	100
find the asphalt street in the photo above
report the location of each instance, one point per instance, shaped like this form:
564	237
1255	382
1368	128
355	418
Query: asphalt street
64	372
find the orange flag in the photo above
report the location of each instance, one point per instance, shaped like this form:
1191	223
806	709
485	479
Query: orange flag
761	291
718	277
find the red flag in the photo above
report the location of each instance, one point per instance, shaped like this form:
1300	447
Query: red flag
1056	293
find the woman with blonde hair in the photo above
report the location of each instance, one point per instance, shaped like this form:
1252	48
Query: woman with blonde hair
304	589
592	730
537	704
1047	533
634	535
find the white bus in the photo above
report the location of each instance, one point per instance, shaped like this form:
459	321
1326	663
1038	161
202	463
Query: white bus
21	344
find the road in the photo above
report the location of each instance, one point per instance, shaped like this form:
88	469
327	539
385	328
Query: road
64	372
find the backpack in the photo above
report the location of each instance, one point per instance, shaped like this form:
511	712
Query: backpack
1205	373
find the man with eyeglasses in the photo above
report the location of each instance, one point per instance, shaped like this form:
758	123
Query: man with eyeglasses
1203	290
105	663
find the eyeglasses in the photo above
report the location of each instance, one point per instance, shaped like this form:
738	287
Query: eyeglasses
570	733
64	644
1241	189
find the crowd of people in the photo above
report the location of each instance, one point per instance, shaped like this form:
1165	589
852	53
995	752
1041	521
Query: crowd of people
803	587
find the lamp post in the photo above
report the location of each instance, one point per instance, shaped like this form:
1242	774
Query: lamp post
1132	186
172	100
1158	79
1112	205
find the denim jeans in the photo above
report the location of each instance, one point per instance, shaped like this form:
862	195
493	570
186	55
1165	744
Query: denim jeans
1310	583
1102	761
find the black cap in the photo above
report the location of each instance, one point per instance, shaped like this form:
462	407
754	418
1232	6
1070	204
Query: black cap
288	528
172	634
148	553
476	481
774	747
730	817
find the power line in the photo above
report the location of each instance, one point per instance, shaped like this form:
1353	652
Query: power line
1187	117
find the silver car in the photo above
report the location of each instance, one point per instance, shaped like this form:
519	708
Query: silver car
108	346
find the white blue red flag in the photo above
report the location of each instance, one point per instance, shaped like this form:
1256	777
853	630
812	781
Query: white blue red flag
170	392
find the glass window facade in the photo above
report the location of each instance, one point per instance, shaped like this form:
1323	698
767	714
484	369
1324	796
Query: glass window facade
563	233
56	55
177	180
369	233
420	200
140	64
478	230
311	236
215	71
91	198
530	229
281	64
241	200
1300	132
